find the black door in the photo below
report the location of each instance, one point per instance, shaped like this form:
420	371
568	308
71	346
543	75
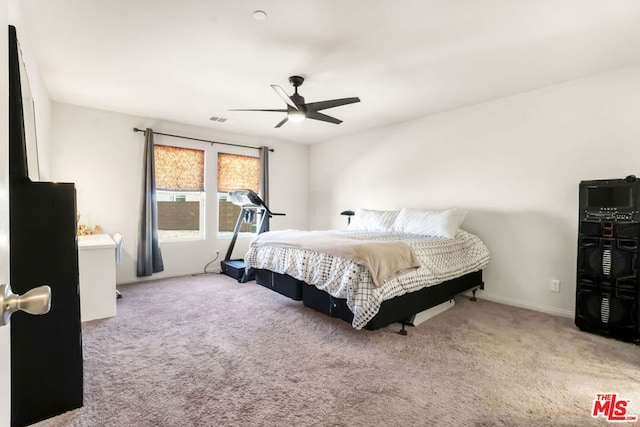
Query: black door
46	351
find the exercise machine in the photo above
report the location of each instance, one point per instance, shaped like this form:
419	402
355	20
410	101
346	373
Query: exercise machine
251	205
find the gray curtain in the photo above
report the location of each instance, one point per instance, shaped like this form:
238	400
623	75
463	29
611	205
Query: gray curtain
149	255
264	174
264	179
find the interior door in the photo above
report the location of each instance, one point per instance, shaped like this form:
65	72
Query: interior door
40	356
46	351
5	340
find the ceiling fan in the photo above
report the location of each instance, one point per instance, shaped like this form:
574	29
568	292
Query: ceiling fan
297	110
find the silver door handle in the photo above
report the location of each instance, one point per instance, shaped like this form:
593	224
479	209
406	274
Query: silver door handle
35	301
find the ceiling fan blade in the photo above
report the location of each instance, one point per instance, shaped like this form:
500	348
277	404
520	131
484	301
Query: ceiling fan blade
282	122
322	105
252	109
284	96
319	116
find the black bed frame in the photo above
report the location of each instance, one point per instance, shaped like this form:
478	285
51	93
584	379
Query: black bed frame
396	310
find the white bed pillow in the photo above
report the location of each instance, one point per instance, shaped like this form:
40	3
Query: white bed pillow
443	223
370	220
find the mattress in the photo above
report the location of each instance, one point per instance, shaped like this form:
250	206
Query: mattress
440	260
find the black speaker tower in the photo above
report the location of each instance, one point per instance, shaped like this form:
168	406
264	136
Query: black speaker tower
607	288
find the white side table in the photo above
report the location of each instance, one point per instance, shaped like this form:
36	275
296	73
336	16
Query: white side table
97	268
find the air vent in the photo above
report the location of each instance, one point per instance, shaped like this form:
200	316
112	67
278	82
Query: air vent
218	119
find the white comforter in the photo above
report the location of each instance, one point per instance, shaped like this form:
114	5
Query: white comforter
440	260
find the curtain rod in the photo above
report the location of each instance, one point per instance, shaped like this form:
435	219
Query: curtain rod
200	140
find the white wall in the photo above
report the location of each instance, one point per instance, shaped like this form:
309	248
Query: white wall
100	153
514	163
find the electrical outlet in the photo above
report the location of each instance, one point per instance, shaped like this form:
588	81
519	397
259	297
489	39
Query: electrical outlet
555	285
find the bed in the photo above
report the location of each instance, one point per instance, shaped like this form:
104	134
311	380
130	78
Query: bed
443	261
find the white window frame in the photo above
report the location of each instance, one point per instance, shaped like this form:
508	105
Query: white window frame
190	196
229	234
200	196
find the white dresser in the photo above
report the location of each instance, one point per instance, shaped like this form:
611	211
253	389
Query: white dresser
97	267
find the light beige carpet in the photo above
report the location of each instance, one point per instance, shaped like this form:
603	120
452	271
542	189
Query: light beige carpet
208	351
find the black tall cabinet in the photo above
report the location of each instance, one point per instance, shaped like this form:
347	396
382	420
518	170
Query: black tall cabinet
46	351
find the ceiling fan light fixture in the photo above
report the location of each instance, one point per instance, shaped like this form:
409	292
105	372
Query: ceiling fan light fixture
296	116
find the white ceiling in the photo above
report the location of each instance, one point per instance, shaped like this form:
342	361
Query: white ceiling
188	60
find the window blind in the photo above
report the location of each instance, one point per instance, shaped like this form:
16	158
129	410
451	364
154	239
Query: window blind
179	169
237	172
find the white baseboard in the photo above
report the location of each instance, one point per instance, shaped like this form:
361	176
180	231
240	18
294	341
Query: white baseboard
525	304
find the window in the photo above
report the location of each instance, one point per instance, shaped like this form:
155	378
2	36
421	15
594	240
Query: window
180	192
235	172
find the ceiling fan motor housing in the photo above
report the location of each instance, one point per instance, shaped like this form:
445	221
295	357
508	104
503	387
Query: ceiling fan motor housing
298	100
